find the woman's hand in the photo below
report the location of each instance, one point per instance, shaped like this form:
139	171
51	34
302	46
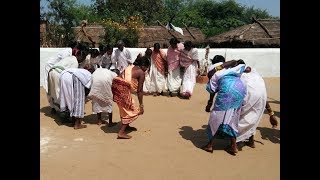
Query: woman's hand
273	121
141	110
198	71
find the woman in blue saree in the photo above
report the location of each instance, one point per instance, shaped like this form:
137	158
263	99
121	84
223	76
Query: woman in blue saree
225	114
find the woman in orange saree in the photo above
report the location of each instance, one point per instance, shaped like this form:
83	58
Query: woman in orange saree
128	82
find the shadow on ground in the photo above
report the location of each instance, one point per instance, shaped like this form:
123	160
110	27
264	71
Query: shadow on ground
270	134
91	119
47	112
56	117
114	129
199	137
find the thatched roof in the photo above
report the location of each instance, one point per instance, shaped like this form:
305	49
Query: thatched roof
261	33
95	31
148	35
158	34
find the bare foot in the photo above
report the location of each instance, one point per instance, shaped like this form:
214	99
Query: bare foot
208	149
99	122
251	144
124	136
240	145
81	126
273	121
231	150
185	97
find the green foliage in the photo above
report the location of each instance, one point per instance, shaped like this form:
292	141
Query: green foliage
85	12
63	15
257	13
113	34
228	23
127	30
99	8
210	16
173	6
131	37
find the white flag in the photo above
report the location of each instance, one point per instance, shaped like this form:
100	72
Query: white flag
179	30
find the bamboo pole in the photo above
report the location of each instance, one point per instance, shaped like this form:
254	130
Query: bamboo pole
188	30
167	29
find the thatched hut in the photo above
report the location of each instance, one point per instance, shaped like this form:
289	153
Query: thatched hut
94	31
158	34
262	33
148	35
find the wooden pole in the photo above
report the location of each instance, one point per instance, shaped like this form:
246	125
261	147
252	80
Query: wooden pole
263	27
84	24
167	29
188	30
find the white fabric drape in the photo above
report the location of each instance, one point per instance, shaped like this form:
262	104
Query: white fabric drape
253	105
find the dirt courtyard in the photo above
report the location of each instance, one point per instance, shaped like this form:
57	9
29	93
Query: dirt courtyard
165	146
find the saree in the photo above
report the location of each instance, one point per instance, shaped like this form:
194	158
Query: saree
224	117
122	86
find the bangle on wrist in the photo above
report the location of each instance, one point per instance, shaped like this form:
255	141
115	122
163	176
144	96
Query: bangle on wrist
271	113
218	68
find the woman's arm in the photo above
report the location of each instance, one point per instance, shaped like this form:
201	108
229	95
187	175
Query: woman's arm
227	64
272	119
140	90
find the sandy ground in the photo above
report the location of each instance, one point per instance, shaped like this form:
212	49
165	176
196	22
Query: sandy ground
166	145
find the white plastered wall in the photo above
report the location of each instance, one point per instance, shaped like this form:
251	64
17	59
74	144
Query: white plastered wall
265	60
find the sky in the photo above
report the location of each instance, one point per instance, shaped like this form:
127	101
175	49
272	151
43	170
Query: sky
271	6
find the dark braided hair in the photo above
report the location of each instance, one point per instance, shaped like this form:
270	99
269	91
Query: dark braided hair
217	59
142	61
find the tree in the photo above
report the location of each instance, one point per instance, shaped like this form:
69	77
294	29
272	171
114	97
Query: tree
121	9
128	30
257	13
64	15
210	16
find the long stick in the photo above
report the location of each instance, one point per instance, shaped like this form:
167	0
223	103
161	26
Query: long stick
263	27
167	29
85	33
188	30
